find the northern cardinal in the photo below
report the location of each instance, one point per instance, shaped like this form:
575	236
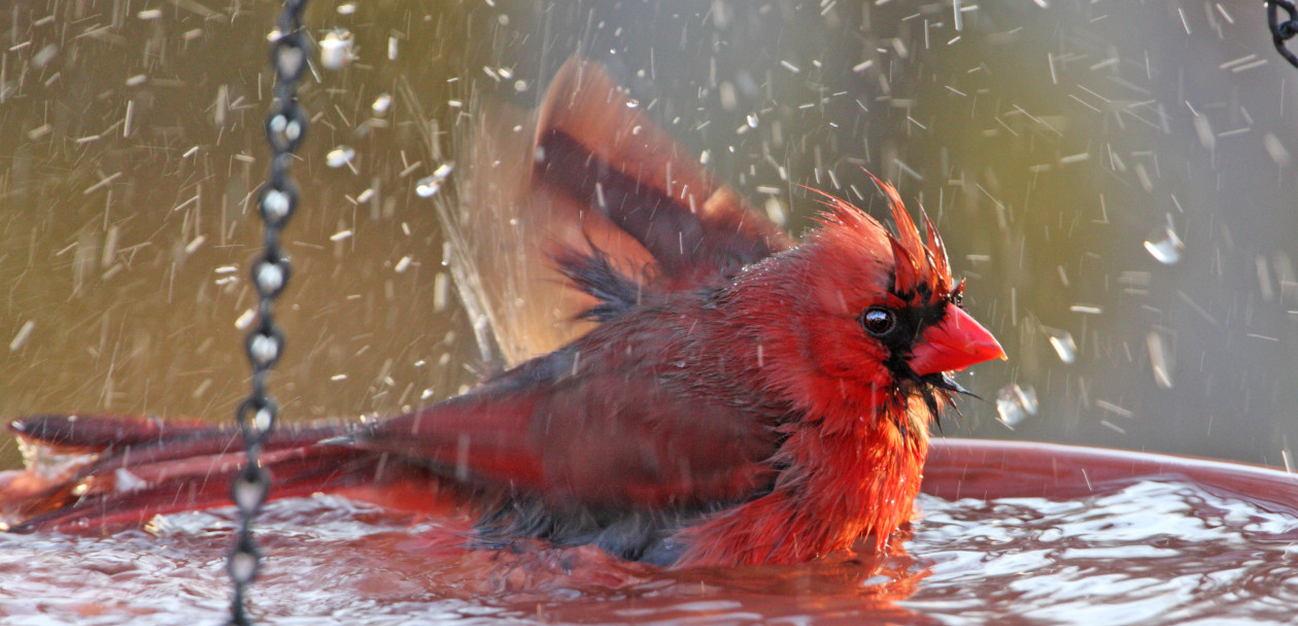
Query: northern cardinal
740	398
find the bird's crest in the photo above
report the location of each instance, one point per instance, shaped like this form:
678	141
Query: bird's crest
918	267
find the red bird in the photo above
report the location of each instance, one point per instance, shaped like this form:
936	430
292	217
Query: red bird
740	399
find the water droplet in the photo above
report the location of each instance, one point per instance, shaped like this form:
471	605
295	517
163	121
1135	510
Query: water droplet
124	480
1204	130
1015	403
441	291
43	58
1276	149
1160	359
1063	343
339	156
726	93
775	211
23	333
428	186
752	120
1164	245
335	49
245	319
381	104
347	8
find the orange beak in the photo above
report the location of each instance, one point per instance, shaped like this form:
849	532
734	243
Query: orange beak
956	343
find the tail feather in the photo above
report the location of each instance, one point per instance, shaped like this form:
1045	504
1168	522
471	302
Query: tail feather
99	432
298	472
137	468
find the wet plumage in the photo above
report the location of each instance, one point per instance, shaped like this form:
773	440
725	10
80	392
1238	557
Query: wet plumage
740	398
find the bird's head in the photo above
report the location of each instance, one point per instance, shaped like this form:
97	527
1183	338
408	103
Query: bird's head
879	316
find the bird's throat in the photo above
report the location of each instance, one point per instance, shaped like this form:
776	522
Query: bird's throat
862	482
836	487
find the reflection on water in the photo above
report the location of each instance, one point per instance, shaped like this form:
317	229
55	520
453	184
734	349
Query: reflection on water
1153	552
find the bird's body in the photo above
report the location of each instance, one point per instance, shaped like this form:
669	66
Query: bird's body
768	403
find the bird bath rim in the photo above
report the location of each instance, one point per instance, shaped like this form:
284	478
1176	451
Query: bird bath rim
990	469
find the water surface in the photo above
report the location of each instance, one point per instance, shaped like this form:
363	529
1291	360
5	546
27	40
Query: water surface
1151	549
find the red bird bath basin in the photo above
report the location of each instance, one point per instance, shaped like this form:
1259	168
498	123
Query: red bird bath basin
1009	533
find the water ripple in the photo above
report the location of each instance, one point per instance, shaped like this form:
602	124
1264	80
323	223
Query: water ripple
1154	552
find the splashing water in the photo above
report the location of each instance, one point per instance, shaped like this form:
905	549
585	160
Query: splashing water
1154	549
1164	246
1160	359
1062	342
428	186
336	49
1015	403
340	156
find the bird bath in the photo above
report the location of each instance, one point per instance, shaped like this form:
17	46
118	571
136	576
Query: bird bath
1009	533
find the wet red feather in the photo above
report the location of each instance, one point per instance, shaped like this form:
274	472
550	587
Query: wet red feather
731	407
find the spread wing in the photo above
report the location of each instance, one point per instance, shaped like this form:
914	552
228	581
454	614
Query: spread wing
600	151
584	169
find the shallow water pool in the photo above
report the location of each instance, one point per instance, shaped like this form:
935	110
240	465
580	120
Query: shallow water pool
1150	540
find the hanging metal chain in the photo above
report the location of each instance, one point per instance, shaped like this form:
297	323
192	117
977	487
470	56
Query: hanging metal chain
285	129
1283	31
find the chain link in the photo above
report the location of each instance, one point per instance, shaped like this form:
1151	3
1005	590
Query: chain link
1283	31
286	127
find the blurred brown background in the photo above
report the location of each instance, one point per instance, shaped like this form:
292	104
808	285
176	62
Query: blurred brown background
1049	140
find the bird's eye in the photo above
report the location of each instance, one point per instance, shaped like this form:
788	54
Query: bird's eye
878	321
